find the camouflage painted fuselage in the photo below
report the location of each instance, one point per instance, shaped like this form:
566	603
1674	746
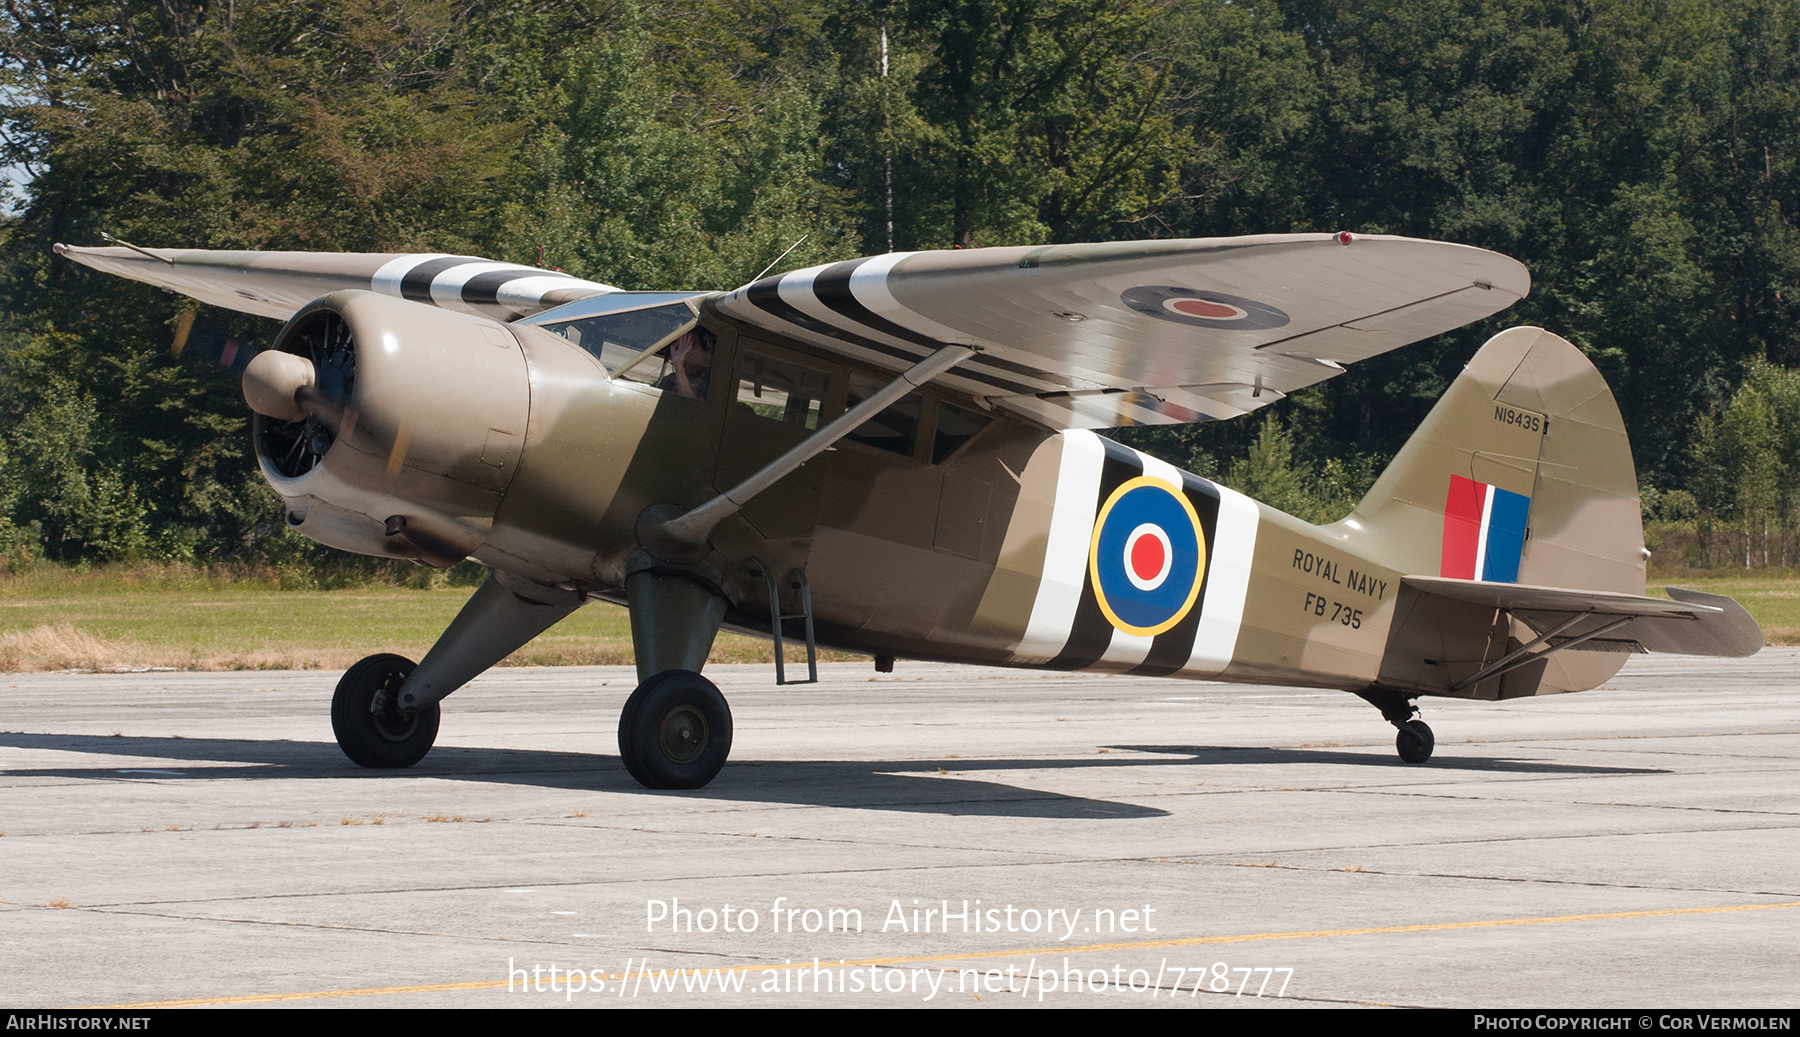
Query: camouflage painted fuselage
1017	548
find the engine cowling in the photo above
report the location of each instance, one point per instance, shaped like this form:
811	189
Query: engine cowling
388	427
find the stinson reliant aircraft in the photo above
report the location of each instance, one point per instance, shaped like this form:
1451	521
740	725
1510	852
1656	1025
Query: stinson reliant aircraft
895	456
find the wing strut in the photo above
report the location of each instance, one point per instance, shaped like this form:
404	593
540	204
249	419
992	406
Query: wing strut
682	537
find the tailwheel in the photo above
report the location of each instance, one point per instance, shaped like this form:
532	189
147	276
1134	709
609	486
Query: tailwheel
366	716
1415	741
675	731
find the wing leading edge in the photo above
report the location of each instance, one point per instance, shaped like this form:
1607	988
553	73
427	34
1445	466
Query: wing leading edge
1069	336
1128	333
277	284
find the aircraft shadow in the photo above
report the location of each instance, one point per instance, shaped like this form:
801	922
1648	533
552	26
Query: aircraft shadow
1236	754
867	785
937	786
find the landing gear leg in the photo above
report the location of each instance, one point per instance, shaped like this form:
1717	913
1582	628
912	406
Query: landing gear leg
1415	740
385	710
675	730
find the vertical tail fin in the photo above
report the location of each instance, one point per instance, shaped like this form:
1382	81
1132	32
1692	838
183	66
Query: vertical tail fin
1522	473
1522	467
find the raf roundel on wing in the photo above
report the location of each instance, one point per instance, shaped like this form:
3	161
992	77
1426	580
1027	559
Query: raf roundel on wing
1147	557
1202	309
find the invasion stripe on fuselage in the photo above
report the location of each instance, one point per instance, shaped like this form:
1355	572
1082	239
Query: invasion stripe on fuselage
1068	630
1173	648
1091	635
1227	584
1065	555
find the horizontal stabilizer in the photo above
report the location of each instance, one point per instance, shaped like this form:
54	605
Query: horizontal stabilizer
1689	622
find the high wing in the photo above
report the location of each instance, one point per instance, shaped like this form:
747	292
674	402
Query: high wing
276	284
1069	336
1141	332
1688	622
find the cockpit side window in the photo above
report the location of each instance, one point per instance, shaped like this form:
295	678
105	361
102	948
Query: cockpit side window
683	367
660	346
955	426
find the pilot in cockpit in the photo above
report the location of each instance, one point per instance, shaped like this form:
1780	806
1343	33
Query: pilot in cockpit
690	366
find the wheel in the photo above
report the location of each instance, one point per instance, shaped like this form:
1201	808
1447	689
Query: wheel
675	731
370	727
1415	741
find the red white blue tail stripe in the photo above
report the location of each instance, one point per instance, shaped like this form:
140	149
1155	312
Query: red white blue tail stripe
1484	531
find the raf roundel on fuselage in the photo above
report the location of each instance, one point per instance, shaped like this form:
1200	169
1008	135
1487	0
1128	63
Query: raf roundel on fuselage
1147	557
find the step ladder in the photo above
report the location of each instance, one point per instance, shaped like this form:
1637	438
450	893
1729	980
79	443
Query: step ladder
778	617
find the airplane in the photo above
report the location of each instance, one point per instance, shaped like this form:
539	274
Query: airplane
896	456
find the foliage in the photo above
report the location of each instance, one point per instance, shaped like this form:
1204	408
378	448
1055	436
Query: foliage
1270	473
1638	156
1746	460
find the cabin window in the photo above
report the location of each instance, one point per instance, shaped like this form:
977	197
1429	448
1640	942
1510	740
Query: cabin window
955	426
894	428
781	390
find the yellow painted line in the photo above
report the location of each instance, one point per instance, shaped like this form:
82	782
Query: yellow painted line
251	999
1191	941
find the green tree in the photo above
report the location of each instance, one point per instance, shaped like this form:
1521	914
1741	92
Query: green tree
1746	459
633	190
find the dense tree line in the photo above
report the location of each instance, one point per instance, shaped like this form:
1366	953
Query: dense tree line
1638	156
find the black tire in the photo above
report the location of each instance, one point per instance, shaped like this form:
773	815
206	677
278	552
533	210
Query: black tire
675	731
1415	741
370	728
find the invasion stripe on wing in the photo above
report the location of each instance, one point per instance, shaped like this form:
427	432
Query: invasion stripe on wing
789	299
776	301
479	285
847	290
869	284
830	302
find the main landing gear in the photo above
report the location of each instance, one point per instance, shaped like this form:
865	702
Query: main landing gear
372	728
675	731
1414	741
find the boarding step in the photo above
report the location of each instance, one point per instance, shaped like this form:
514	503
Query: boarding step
797	582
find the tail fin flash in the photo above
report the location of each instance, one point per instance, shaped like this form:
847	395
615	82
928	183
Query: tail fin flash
1522	474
